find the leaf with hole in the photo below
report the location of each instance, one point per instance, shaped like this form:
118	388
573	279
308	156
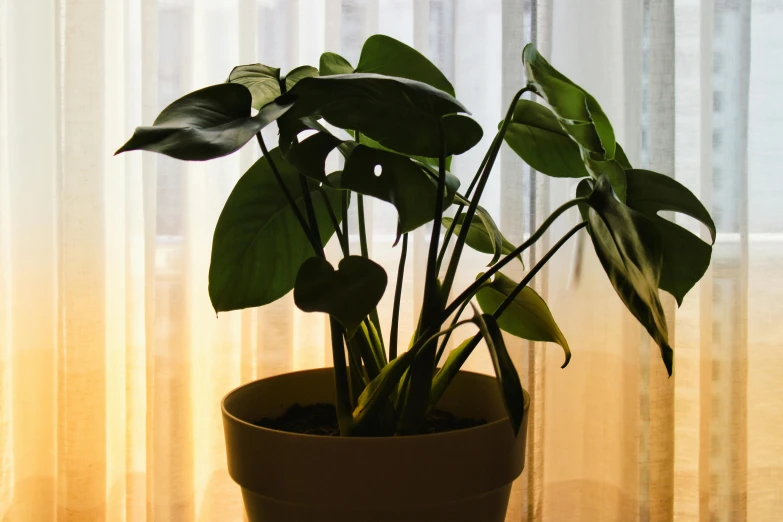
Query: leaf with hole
628	245
205	124
258	244
400	114
398	180
527	316
309	156
348	294
685	256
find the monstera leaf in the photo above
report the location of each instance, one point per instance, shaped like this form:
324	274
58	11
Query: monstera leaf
483	236
348	294
382	54
258	244
685	256
537	137
398	180
309	156
332	63
527	316
262	81
205	124
400	114
580	115
303	71
629	247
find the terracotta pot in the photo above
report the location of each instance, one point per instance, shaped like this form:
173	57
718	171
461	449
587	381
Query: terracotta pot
463	475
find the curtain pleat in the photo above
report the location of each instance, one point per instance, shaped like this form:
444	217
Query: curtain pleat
113	364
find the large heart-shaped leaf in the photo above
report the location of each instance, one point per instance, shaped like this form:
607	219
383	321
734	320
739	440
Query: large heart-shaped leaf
537	137
483	236
527	316
348	294
382	54
580	115
685	256
514	396
258	244
262	81
403	115
205	124
629	247
332	63
398	180
309	156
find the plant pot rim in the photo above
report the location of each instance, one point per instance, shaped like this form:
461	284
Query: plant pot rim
428	436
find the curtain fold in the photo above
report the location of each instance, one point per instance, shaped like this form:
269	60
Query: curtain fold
113	364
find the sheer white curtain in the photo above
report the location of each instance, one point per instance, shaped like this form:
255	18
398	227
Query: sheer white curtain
112	363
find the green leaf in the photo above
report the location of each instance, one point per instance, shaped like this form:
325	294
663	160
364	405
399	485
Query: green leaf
399	181
309	156
537	137
685	256
400	114
514	397
303	71
205	124
332	63
262	81
629	247
580	115
621	158
348	294
375	396
258	244
457	357
527	316
382	54
484	235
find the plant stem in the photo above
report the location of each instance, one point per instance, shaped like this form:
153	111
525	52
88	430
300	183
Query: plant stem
310	209
335	223
450	230
397	296
362	230
344	204
287	193
451	271
473	288
342	390
432	297
538	266
446	337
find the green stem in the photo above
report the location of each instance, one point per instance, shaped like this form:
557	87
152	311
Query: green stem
342	390
473	288
451	271
450	231
344	204
335	223
287	193
362	230
538	266
397	296
446	337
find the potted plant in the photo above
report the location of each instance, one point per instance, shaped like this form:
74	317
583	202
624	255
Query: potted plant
419	440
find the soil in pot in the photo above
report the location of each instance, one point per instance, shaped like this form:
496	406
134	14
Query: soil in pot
321	419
